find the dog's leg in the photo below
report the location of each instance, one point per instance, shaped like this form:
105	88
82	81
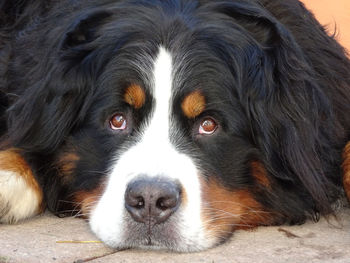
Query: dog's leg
346	170
20	194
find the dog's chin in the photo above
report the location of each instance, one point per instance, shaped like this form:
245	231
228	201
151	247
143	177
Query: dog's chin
168	236
149	244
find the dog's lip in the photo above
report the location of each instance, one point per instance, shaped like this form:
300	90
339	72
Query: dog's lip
151	235
149	241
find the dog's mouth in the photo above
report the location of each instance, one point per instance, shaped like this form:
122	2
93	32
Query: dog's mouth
149	236
156	213
180	232
156	236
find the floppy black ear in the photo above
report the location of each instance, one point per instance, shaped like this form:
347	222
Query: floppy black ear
78	40
84	30
59	89
290	116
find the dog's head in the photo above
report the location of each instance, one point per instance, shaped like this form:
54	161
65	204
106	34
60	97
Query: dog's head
171	124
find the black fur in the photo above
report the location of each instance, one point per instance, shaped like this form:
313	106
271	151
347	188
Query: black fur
277	83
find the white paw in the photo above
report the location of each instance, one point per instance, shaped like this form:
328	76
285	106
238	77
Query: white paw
18	199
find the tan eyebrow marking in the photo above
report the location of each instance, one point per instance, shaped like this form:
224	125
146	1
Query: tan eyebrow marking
193	104
135	96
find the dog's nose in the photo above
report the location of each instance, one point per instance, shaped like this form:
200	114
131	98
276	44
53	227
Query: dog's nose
152	200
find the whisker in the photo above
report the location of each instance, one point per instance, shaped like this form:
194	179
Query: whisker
67	201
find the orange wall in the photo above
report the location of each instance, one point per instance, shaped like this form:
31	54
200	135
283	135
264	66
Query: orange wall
331	12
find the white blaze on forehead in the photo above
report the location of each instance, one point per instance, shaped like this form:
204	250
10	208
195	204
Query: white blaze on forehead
153	156
162	94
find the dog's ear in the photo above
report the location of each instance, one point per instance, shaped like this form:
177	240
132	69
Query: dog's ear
84	29
60	88
289	115
80	38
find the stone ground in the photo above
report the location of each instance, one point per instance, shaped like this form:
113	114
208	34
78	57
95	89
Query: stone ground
38	241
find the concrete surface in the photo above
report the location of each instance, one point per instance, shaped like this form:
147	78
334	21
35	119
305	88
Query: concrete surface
36	241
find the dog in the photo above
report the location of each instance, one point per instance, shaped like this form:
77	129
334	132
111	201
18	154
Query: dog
171	124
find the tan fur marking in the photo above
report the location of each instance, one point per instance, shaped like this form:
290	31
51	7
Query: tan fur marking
135	96
227	210
184	198
87	200
66	164
346	170
260	174
12	161
193	105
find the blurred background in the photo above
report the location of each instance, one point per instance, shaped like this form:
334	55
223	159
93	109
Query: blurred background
335	14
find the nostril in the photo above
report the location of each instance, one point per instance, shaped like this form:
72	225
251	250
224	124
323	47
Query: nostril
139	202
135	205
133	199
161	204
165	203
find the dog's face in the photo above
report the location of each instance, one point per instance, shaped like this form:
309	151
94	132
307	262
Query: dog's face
173	169
176	171
173	166
162	122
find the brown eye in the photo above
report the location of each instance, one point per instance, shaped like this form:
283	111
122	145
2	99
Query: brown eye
208	126
118	122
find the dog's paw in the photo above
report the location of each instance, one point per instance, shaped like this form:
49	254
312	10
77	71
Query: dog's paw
20	195
4	208
18	200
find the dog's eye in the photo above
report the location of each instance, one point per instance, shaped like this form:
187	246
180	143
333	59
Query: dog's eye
208	126
118	122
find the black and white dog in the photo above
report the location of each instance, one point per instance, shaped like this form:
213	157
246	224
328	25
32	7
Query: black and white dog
171	123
